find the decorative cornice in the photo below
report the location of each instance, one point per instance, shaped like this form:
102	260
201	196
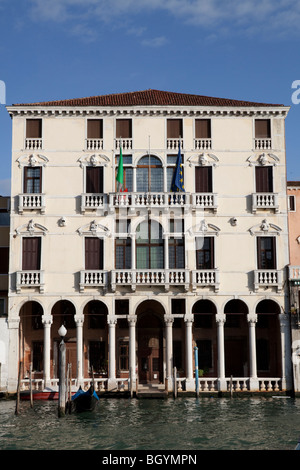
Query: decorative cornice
31	229
94	160
95	229
265	227
32	160
263	159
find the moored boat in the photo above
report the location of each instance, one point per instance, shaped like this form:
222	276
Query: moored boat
84	400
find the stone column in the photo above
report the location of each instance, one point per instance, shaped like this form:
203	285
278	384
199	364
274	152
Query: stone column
220	319
79	319
190	386
169	350
132	347
13	355
112	383
252	319
286	374
47	322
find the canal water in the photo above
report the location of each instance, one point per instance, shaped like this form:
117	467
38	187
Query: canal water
183	424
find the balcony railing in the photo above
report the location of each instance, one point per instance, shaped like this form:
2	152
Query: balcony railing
94	144
205	278
125	143
150	277
30	279
33	143
205	201
267	278
31	202
93	278
265	201
90	201
173	144
263	144
202	144
151	199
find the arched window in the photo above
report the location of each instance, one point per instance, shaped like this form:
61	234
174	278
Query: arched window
150	175
149	245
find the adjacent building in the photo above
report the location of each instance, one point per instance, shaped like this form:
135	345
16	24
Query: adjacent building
4	256
146	276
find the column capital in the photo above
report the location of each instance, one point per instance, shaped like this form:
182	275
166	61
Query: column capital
47	320
252	318
220	318
169	319
189	318
112	320
132	319
79	319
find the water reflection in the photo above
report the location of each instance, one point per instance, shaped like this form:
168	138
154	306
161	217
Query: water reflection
181	424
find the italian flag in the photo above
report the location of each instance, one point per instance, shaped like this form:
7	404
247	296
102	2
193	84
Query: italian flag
120	174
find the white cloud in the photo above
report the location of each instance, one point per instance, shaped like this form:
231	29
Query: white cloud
155	42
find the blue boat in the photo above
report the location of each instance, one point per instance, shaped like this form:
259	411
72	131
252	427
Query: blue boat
84	401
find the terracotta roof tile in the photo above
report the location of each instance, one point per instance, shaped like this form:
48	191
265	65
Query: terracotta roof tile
148	98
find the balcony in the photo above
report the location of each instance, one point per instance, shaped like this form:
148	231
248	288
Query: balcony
93	278
125	143
265	201
173	144
205	278
263	144
267	278
94	144
150	277
202	144
31	202
33	143
90	201
30	279
148	200
205	201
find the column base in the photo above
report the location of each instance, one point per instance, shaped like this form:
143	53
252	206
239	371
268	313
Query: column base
222	385
253	384
112	385
190	385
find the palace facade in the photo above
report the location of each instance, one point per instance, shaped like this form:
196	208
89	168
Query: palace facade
147	278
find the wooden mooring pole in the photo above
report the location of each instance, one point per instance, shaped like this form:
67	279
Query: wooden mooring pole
17	410
175	382
62	373
30	385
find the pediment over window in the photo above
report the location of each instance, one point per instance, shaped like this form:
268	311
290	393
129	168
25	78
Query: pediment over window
93	160
94	229
204	228
32	160
265	227
263	159
31	229
203	159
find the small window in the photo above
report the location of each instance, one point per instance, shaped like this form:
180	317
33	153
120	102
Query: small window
93	253
203	128
292	203
94	129
123	128
32	180
124	355
33	128
203	175
205	253
31	257
264	179
94	180
174	128
262	129
266	253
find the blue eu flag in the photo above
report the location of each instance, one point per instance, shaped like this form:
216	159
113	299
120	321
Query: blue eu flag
177	182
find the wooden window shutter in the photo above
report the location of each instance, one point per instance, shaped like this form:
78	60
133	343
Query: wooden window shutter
203	129
31	259
93	253
94	129
262	128
124	128
34	128
264	179
174	128
94	179
203	176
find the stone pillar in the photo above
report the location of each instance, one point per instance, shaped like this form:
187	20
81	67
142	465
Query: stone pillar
286	374
169	350
220	319
112	383
166	252
254	384
47	322
79	319
190	385
132	347
13	355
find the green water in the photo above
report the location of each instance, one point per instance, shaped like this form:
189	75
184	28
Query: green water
155	424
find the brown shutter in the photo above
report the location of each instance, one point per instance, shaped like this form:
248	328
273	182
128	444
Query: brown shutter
94	129
264	179
262	128
174	128
202	129
123	128
31	258
93	253
34	128
94	179
203	176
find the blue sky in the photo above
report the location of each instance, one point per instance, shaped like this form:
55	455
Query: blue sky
59	49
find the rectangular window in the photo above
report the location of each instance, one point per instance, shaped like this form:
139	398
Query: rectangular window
32	180
123	253
33	128
205	253
203	128
123	355
264	179
174	128
176	253
94	179
262	129
93	253
2	307
4	254
31	254
123	128
37	356
266	252
292	203
203	175
94	129
97	356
